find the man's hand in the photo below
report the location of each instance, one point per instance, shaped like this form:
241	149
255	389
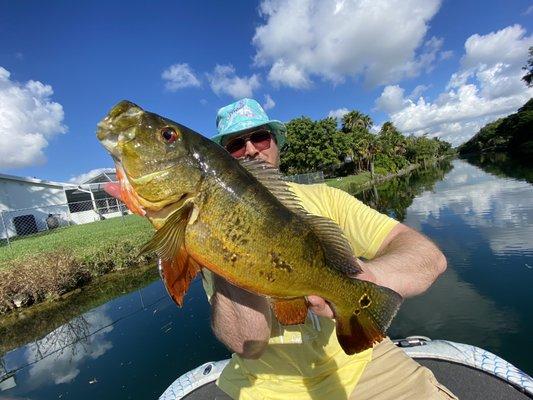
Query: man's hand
321	307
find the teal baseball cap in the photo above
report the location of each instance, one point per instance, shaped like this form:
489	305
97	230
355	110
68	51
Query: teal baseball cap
244	115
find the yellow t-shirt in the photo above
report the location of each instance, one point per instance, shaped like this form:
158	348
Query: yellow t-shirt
306	361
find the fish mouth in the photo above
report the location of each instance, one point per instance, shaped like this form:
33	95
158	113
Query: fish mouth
119	126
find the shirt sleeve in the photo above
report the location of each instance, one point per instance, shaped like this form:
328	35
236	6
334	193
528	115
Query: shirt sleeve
364	227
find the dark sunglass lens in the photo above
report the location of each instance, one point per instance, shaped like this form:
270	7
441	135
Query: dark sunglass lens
235	145
261	140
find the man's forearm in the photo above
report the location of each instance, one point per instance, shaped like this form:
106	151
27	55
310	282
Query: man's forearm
240	320
409	264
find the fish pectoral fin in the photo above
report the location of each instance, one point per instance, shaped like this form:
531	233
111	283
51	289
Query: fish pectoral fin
177	274
290	312
176	266
169	239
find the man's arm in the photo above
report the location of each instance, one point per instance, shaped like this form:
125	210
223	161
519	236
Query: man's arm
406	262
241	320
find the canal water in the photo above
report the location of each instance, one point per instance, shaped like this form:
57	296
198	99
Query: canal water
133	346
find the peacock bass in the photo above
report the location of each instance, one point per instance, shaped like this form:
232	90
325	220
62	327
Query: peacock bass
240	220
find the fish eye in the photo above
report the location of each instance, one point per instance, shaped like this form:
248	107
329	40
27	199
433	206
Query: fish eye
169	135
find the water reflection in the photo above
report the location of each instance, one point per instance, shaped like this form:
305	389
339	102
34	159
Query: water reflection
499	208
483	224
63	351
109	351
395	196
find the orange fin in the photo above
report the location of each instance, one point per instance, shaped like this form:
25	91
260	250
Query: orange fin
290	312
178	274
176	267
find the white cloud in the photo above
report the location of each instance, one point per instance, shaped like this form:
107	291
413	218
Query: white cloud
503	46
528	11
223	80
179	76
445	55
28	119
381	40
391	99
487	86
417	91
269	103
338	113
289	75
88	175
58	356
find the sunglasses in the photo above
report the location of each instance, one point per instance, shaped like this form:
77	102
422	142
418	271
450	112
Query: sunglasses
260	139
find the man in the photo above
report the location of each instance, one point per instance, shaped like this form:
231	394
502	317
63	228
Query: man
272	361
306	361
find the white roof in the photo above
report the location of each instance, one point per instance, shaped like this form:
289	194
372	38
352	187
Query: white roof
104	175
35	181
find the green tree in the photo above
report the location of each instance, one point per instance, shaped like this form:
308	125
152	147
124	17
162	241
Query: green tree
354	120
313	145
393	148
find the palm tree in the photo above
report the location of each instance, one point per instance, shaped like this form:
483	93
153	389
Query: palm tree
355	120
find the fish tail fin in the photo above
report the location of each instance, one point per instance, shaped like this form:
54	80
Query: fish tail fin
362	326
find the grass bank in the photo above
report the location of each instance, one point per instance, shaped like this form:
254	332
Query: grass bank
363	180
47	266
30	324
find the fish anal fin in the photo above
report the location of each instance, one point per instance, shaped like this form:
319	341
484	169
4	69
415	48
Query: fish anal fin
177	274
290	312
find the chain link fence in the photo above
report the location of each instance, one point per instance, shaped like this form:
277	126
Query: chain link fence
24	222
311	177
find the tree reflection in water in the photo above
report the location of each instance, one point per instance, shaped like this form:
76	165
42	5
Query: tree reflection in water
395	196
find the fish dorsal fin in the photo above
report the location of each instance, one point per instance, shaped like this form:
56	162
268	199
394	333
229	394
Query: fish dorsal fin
338	251
272	179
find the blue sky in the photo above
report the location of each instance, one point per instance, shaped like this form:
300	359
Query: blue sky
438	67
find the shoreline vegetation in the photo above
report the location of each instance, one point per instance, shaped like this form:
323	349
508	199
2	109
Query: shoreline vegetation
49	267
510	135
33	323
43	272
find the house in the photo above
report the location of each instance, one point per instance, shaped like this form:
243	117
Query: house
26	203
30	205
89	202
